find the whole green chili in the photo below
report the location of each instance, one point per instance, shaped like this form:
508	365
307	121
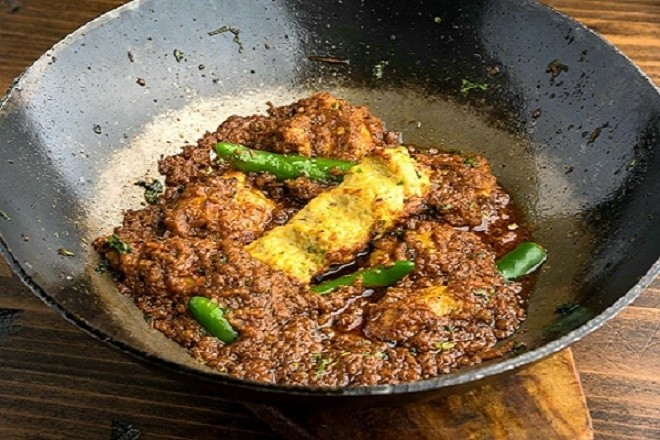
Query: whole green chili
524	259
212	318
282	166
378	276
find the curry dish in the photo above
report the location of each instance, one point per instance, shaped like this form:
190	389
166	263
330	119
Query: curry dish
308	246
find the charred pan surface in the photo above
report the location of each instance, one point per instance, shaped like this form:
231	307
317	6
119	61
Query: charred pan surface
449	312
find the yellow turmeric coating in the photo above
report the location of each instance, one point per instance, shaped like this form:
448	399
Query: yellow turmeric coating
339	222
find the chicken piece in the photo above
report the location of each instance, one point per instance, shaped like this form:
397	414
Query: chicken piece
455	281
404	312
225	205
376	194
320	125
461	187
442	255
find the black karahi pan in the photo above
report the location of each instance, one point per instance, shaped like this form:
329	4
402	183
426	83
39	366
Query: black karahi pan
571	127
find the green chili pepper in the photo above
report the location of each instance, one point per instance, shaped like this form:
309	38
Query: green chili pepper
378	276
282	166
521	261
212	318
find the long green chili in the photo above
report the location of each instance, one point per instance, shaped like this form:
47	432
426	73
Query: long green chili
524	259
282	166
378	276
212	318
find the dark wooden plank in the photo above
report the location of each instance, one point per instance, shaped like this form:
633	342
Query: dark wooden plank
36	26
543	401
632	25
75	389
619	368
57	382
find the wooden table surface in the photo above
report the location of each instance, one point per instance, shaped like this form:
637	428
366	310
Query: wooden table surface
56	382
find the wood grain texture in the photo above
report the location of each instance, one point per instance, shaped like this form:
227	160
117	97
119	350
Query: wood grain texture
57	382
5	271
70	386
542	401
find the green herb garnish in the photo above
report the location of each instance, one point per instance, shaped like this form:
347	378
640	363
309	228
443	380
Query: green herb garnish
118	244
556	67
4	215
325	363
471	162
378	69
178	55
467	86
234	31
151	190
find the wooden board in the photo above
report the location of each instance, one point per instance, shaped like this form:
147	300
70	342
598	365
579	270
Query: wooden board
544	401
56	382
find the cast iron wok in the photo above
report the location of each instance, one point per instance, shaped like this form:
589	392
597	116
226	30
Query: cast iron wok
572	128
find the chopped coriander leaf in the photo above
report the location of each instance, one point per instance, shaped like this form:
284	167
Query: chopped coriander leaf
151	190
118	245
178	55
234	31
4	215
378	69
556	67
471	162
467	86
323	364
